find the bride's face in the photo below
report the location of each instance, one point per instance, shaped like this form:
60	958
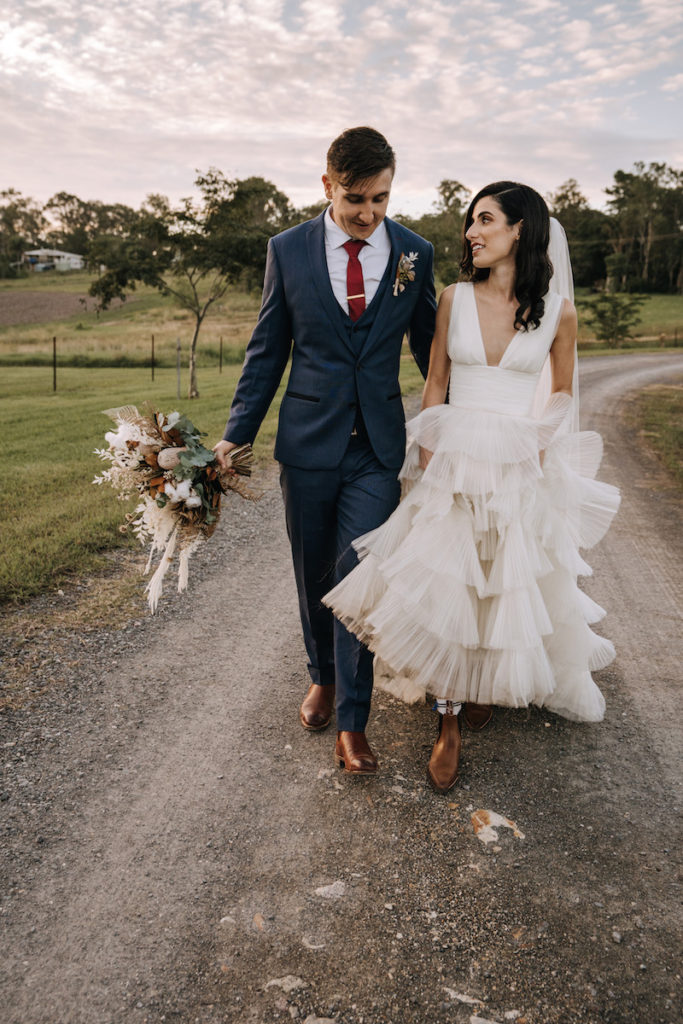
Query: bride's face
492	240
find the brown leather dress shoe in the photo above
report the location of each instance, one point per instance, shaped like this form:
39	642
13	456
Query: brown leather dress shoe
352	753
316	710
443	768
476	716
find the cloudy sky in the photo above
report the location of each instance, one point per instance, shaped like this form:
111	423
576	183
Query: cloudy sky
111	101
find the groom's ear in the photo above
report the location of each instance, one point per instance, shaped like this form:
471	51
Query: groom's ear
327	185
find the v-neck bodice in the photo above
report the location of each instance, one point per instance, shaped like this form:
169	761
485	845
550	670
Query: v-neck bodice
509	385
477	317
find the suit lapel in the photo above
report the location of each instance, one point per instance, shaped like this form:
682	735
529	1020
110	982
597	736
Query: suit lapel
389	305
321	279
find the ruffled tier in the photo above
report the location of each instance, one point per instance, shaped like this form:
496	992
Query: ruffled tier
469	590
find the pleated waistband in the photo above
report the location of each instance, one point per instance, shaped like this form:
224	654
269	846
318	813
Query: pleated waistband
492	388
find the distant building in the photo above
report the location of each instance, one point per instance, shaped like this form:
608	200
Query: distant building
53	259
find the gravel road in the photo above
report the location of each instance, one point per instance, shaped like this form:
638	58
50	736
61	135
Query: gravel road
176	848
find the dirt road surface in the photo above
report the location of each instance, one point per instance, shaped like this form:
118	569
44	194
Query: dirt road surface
176	848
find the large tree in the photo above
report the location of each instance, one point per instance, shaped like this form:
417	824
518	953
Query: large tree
193	251
587	232
22	226
646	207
76	223
245	213
443	228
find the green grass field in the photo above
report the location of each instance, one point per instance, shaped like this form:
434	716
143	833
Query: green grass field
121	335
55	523
661	324
659	414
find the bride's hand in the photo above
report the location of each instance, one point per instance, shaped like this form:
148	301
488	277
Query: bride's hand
425	457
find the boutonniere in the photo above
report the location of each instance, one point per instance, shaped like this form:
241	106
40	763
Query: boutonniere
405	271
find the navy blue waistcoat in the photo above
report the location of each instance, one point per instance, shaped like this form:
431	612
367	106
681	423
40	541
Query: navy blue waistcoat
338	368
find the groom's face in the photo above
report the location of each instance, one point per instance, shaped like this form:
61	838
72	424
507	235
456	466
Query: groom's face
361	206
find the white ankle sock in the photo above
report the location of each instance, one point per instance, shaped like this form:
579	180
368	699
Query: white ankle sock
447	707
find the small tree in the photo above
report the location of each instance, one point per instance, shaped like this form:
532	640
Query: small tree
195	251
612	316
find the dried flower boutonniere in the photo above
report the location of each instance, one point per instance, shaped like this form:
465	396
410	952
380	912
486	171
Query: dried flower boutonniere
405	271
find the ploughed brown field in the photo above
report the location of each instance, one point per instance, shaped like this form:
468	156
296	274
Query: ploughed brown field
24	307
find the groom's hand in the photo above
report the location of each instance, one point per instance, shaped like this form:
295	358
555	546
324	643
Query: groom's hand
222	450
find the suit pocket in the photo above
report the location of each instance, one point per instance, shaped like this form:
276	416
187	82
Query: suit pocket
390	398
304	398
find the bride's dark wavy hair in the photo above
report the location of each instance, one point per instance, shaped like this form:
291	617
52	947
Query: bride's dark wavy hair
533	268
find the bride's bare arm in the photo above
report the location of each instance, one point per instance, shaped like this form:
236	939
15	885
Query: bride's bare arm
439	371
562	350
438	374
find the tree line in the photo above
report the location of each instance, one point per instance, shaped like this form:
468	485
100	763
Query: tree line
196	249
634	245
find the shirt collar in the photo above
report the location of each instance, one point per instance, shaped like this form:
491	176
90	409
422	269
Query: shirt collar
335	237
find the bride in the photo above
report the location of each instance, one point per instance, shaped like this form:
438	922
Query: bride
469	590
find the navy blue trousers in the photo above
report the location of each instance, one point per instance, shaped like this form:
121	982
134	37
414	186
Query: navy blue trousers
325	510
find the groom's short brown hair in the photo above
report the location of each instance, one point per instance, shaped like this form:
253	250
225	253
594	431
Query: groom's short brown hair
358	154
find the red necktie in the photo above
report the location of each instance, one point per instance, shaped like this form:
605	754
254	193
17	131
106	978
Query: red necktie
355	288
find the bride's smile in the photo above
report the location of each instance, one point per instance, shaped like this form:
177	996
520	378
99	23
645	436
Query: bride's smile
490	237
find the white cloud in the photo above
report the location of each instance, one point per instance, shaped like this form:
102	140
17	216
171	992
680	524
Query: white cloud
673	84
126	99
577	34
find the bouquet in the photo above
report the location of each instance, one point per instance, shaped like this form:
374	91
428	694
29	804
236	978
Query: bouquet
179	482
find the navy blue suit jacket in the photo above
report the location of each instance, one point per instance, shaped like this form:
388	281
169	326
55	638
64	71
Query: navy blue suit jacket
331	375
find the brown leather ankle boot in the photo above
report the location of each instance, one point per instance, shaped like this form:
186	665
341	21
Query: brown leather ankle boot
476	716
443	767
316	710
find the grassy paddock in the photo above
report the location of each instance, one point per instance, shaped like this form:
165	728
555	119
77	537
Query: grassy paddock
54	522
76	281
661	324
659	415
121	336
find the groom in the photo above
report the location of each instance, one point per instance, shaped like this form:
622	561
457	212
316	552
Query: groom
340	293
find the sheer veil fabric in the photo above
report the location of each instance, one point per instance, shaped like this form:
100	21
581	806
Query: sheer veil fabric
561	283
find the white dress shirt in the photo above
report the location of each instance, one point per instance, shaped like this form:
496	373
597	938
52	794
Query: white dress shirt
373	259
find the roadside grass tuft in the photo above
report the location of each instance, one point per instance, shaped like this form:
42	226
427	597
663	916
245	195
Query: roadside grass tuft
659	415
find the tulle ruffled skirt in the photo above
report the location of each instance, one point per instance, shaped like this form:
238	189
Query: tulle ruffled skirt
469	590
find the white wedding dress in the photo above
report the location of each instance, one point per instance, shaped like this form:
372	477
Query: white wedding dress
469	590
